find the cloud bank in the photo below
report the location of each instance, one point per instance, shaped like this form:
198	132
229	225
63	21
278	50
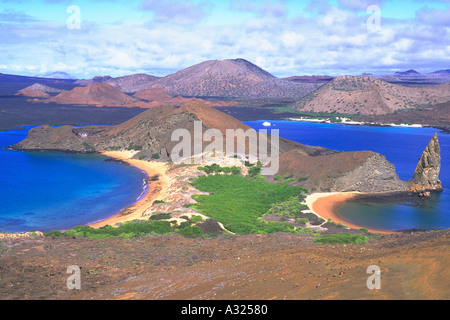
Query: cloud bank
284	37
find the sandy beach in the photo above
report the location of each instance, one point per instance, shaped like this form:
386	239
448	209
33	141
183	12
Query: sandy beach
326	204
156	189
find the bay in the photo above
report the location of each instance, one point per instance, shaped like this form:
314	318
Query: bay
57	191
402	146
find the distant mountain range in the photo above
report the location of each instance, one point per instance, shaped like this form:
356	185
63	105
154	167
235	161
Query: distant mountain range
58	75
130	84
242	80
446	71
38	90
407	73
414	78
231	78
97	94
236	78
103	94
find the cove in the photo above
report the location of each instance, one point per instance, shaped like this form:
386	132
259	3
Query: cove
402	146
57	191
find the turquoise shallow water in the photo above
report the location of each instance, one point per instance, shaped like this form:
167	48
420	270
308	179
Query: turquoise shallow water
403	147
46	191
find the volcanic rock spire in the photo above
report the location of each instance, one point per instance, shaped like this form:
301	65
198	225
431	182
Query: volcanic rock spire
426	176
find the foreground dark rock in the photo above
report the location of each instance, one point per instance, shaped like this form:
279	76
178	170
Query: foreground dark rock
426	176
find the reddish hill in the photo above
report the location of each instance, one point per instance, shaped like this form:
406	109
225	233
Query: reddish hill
435	116
133	83
235	78
32	93
364	171
160	95
97	94
153	94
370	96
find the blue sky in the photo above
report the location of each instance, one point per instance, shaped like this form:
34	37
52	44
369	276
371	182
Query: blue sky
285	37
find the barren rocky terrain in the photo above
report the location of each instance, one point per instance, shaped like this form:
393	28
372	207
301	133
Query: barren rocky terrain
370	96
260	267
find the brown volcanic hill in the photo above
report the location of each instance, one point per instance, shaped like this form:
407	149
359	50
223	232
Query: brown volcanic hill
133	83
236	78
435	116
32	93
97	94
151	133
153	94
367	96
43	88
159	123
363	171
160	95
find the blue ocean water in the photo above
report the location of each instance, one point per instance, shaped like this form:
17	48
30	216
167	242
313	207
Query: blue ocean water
46	191
402	146
56	191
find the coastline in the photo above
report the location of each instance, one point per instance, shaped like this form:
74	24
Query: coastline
357	123
325	205
154	190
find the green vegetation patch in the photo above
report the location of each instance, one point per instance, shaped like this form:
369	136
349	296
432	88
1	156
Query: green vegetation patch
341	238
239	202
215	168
88	147
132	229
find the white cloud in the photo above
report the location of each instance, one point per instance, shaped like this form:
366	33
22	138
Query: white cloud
334	42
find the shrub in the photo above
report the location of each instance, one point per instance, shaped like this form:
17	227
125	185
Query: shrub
236	170
133	147
196	219
302	220
191	232
253	171
341	238
161	216
155	156
185	224
88	147
53	233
